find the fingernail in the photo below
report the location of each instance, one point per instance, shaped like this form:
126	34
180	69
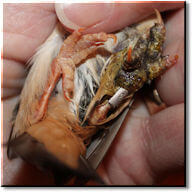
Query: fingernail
76	15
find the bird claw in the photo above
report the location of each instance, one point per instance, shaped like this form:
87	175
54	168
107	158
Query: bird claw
114	37
64	65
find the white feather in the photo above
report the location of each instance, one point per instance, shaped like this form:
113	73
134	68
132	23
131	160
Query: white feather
37	78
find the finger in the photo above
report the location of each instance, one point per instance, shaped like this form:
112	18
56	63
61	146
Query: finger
13	78
107	17
18	172
145	147
171	85
163	134
25	27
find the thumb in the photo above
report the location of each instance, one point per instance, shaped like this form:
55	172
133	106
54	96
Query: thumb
107	17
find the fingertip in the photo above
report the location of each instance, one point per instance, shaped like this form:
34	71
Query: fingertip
82	15
106	17
164	137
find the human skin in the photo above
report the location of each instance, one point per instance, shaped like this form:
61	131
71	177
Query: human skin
146	147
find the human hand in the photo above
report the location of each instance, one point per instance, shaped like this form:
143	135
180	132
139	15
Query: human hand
26	27
146	146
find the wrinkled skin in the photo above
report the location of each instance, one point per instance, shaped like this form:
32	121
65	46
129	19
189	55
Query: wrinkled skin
146	146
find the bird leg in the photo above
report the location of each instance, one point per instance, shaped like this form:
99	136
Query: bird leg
75	48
